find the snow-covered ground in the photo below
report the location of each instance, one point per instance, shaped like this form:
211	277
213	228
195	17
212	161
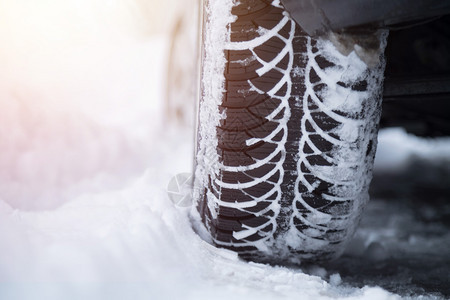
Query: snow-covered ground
85	159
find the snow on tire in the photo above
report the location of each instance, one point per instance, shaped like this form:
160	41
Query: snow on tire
286	136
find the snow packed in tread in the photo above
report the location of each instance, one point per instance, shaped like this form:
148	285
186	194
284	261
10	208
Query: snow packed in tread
294	140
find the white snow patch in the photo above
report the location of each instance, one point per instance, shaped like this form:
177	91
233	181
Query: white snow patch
335	279
396	148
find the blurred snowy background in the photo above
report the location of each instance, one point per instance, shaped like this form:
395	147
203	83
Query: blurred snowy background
86	154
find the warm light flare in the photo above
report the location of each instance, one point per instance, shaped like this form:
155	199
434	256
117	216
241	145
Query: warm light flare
78	81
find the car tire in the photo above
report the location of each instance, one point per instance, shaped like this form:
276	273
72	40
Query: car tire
286	135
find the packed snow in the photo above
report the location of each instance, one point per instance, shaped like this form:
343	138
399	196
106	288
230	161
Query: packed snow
86	156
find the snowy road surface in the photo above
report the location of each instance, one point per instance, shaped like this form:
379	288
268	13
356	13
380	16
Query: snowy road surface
84	213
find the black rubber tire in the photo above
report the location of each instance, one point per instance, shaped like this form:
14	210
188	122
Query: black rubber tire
285	153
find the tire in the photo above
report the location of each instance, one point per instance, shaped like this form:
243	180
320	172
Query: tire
286	137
